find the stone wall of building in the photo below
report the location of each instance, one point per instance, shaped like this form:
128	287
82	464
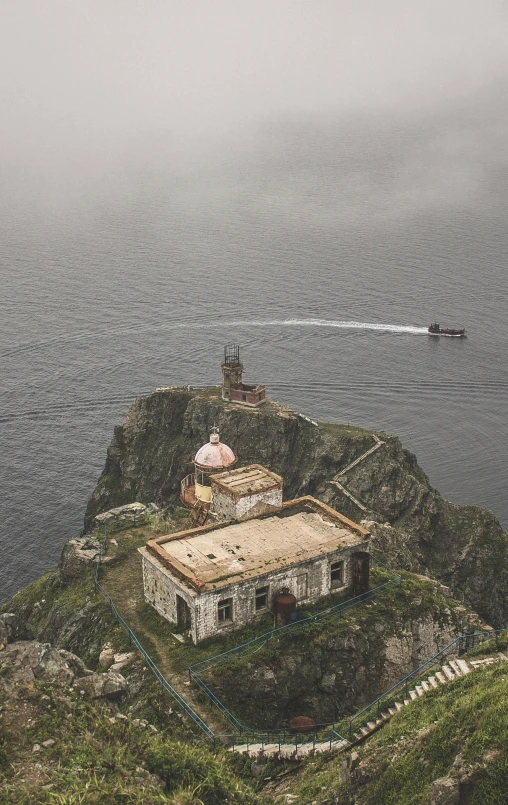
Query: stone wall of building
307	581
161	588
255	505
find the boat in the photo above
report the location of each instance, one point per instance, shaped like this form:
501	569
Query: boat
436	329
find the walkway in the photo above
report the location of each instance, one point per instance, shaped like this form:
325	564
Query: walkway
453	669
335	481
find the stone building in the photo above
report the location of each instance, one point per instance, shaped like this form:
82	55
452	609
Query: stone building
224	575
245	492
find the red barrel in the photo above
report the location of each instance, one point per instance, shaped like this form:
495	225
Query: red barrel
301	724
285	606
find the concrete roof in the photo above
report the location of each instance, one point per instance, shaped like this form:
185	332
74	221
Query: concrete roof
215	556
246	480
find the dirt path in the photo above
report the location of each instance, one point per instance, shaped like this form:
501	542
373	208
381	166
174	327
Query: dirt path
124	582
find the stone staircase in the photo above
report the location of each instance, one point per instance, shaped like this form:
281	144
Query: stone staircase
377	444
453	669
336	482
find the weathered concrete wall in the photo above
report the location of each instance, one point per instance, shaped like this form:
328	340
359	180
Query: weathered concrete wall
161	588
308	582
227	508
252	398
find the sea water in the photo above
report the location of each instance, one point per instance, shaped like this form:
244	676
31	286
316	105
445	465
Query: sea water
325	258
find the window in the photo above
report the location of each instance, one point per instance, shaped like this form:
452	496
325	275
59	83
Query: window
301	586
225	609
244	397
337	574
261	598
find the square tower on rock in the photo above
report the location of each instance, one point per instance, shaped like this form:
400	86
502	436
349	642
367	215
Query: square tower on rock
233	387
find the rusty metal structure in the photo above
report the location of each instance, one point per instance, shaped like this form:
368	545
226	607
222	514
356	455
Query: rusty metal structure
233	387
284	606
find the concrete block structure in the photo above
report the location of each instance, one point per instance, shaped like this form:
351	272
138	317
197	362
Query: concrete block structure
224	575
245	492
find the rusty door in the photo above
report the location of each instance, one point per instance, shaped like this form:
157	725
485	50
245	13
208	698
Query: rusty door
361	567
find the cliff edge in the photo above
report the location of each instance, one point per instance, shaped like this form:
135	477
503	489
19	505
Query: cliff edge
462	546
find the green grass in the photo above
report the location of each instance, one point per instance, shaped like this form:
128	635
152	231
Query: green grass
489	646
420	744
97	762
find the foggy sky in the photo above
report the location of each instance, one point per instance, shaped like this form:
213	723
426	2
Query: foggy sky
82	83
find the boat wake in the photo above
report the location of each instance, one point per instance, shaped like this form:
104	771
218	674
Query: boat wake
206	325
341	324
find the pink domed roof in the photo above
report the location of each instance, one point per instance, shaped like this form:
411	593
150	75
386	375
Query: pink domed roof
214	455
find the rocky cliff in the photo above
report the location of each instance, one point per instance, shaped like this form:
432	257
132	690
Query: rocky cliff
337	667
463	546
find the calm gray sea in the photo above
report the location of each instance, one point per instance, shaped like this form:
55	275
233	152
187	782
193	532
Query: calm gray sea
324	248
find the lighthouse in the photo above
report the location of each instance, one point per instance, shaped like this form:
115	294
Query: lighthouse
196	488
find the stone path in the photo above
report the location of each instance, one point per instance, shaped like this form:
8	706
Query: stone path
336	482
453	669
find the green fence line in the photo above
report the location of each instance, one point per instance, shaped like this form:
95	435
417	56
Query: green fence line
321	733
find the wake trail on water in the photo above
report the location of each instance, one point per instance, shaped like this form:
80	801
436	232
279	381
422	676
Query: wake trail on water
139	328
341	324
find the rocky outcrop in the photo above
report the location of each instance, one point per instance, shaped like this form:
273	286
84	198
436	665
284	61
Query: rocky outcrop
28	661
463	546
77	555
131	514
336	669
110	685
12	628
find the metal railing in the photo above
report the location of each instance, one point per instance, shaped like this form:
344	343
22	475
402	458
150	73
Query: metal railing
283	736
189	480
148	660
457	647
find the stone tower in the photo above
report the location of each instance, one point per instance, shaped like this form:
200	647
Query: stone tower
233	387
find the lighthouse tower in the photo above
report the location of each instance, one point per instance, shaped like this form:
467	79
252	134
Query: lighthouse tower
196	488
233	388
232	370
210	458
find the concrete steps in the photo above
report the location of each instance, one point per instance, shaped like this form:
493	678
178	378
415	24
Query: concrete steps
453	669
376	446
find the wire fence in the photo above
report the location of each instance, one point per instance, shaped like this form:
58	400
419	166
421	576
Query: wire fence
456	648
322	734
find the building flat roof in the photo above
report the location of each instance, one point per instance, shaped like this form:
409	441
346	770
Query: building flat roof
215	556
247	480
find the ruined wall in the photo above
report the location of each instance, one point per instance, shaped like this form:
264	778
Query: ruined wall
247	397
160	589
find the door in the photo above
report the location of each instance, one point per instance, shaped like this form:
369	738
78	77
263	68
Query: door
183	613
361	566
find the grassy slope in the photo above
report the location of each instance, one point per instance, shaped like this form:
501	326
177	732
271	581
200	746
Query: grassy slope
97	762
459	731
